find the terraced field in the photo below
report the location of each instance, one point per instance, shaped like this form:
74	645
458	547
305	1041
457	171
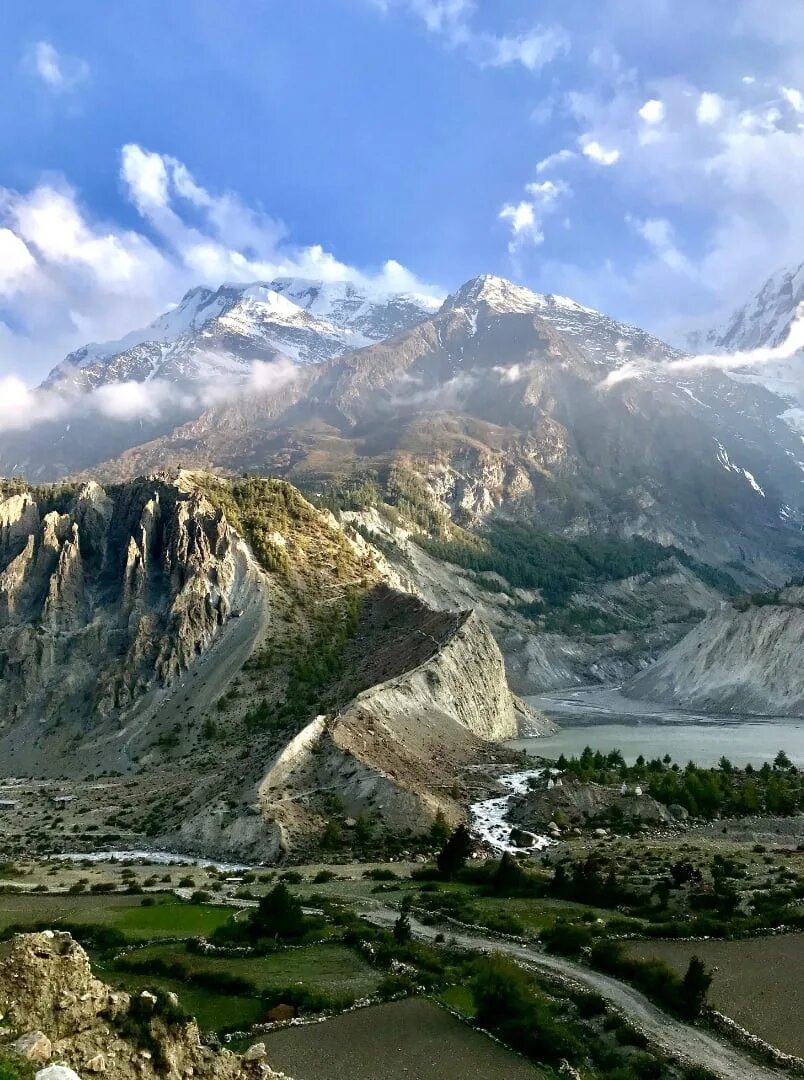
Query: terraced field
757	981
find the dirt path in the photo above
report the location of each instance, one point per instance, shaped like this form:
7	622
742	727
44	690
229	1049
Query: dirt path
689	1044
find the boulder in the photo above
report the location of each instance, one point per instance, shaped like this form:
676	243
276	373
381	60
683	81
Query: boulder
34	1046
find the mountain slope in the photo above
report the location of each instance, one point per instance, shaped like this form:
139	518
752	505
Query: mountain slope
187	633
505	402
102	399
743	660
766	321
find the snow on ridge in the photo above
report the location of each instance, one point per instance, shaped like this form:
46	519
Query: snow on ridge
729	466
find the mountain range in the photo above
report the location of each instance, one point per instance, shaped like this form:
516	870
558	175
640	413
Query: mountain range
500	401
508	402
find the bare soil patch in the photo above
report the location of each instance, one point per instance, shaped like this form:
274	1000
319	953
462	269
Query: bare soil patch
403	1040
758	981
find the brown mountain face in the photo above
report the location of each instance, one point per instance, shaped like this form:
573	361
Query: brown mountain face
234	658
509	403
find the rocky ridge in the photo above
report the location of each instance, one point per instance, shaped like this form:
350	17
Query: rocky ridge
53	1009
141	633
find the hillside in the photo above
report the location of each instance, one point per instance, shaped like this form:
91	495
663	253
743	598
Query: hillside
744	659
188	635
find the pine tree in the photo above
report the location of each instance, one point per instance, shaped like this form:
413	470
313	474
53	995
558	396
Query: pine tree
455	852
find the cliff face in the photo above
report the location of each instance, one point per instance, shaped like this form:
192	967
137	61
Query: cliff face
398	749
105	595
735	661
54	1008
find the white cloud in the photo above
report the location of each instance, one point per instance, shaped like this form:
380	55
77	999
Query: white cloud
60	74
793	97
16	263
454	21
659	234
532	50
552	161
23	407
598	153
526	217
710	108
793	344
652	112
525	226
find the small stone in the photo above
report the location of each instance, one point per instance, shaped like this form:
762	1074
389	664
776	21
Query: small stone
147	998
255	1052
34	1046
97	1063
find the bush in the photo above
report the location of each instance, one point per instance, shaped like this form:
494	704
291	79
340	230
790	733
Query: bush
506	1003
565	938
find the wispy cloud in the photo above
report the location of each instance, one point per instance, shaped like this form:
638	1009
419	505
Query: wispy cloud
454	22
59	73
749	358
23	407
526	216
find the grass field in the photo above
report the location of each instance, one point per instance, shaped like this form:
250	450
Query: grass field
758	981
397	1041
170	918
214	1012
325	968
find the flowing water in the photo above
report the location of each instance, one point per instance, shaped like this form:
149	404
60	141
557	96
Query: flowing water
488	817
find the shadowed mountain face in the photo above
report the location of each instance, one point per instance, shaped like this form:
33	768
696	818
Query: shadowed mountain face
508	402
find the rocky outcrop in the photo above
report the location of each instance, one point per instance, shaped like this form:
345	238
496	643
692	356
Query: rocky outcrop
52	1009
743	661
568	802
105	596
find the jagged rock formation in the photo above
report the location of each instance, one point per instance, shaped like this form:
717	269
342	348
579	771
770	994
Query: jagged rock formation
105	596
744	661
52	1008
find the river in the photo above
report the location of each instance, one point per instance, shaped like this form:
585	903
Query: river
601	717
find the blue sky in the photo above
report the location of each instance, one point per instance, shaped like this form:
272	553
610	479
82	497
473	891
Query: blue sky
643	157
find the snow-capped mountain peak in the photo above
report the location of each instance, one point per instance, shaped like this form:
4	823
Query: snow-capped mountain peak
506	298
608	344
306	321
764	320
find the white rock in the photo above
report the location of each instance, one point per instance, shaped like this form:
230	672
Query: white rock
57	1072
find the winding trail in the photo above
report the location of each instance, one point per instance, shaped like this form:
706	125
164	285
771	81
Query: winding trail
689	1044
